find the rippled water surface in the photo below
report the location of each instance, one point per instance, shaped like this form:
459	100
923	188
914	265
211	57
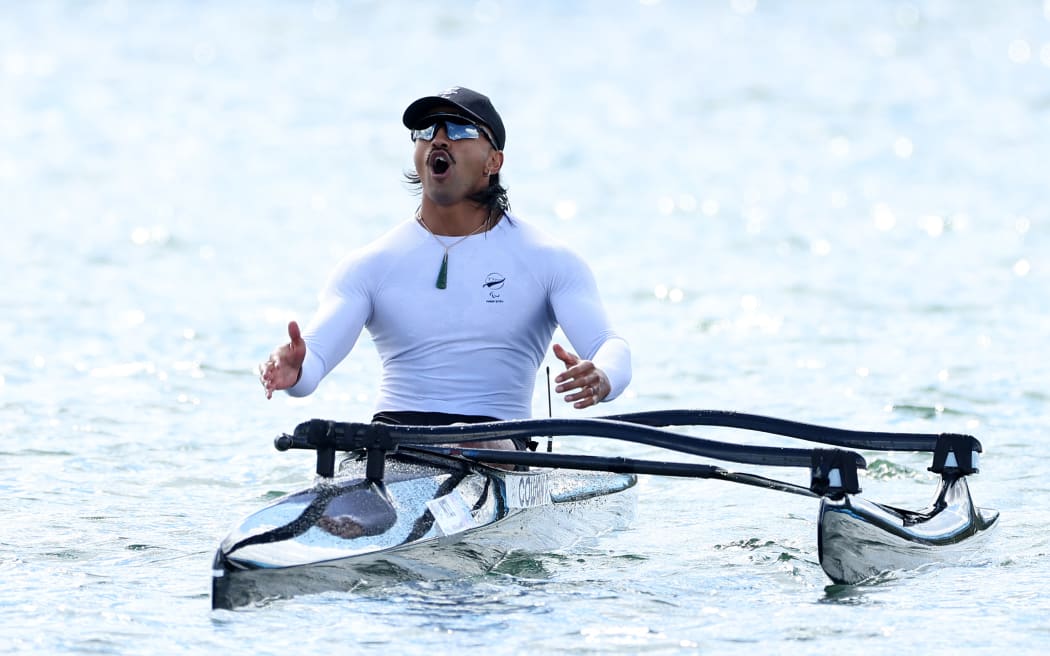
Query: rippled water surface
831	212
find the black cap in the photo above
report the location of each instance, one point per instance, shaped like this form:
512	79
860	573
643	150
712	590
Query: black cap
473	105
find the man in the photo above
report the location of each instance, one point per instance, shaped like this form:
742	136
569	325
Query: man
463	299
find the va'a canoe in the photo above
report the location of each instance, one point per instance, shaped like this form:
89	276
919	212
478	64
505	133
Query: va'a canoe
405	503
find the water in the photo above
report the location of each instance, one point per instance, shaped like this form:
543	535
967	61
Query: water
833	213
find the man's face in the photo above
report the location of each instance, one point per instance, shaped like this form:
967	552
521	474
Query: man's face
453	168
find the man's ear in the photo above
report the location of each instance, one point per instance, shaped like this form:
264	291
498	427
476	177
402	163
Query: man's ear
495	162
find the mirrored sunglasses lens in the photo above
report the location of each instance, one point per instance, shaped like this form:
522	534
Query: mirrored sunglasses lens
457	131
426	134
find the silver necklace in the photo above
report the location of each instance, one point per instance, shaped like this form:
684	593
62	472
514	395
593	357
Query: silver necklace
442	279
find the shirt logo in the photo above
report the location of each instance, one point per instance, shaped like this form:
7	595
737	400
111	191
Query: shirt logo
493	284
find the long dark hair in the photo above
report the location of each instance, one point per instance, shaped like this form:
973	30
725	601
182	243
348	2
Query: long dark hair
493	197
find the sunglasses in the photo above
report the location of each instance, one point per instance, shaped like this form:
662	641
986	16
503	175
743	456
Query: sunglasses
455	130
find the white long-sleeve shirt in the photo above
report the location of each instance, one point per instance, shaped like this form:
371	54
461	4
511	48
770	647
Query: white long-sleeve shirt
475	347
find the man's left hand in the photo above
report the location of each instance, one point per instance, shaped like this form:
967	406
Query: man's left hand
587	383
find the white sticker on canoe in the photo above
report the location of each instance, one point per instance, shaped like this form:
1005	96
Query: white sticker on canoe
451	513
528	491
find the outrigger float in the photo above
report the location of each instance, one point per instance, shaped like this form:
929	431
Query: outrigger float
421	500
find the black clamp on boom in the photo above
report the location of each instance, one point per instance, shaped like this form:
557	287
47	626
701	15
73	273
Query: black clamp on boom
326	437
955	455
833	472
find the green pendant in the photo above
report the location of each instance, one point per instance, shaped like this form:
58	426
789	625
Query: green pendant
442	280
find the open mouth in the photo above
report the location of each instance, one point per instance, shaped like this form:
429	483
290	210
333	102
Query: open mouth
440	162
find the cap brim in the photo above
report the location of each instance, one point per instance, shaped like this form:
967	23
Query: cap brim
420	109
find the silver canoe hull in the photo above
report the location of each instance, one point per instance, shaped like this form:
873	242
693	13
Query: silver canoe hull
431	518
858	539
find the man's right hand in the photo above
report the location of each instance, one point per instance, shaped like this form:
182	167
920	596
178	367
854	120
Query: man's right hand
285	365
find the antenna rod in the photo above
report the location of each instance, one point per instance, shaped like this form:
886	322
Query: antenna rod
550	411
